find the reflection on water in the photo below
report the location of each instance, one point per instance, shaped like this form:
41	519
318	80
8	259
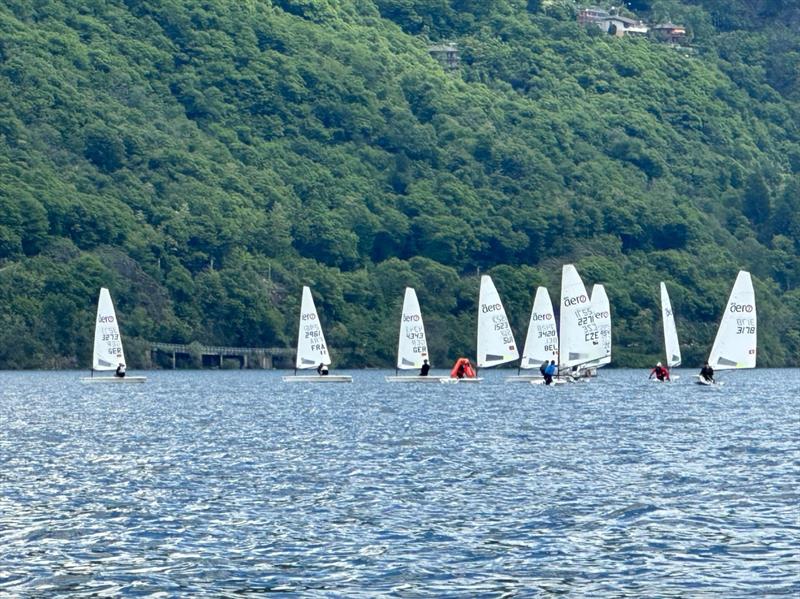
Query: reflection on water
223	483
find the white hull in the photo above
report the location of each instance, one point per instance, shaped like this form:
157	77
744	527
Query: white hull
414	379
699	380
113	379
524	378
540	381
672	379
450	381
330	378
568	378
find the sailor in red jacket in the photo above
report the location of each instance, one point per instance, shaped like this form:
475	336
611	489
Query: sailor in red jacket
662	374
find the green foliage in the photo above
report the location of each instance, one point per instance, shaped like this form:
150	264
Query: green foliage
205	160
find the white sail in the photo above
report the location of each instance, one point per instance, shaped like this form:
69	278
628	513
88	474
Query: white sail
311	347
579	336
602	318
496	343
735	344
412	347
671	344
108	352
541	342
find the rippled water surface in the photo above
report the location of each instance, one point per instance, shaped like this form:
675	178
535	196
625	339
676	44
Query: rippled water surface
234	483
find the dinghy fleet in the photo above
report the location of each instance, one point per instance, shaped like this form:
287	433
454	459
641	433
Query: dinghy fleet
576	345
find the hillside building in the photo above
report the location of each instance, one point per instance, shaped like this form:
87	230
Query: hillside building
670	33
621	26
446	54
592	14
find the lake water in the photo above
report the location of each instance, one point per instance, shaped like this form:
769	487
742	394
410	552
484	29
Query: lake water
232	483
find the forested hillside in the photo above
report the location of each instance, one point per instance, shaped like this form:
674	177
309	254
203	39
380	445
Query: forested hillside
204	160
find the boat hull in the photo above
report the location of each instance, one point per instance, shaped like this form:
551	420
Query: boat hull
672	379
523	378
699	380
330	378
113	379
414	379
540	381
451	381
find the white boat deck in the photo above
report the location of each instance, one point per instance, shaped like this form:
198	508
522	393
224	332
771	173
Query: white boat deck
113	379
329	378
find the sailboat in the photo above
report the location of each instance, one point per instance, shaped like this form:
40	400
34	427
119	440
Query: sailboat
602	318
541	342
108	353
311	347
579	335
495	343
671	345
735	344
412	345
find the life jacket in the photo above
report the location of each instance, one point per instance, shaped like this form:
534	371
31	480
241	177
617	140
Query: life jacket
468	370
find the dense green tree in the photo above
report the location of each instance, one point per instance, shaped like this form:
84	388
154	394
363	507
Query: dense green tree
205	160
756	202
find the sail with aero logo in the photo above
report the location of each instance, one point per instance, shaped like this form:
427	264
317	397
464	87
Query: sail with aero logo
602	318
107	352
311	347
578	332
312	350
541	342
496	343
671	344
735	344
412	345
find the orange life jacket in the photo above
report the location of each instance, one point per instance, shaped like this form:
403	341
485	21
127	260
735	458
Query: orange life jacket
469	372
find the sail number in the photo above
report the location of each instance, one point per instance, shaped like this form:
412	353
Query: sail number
745	326
312	331
500	323
110	335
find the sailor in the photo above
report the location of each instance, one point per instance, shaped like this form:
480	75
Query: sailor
544	366
707	373
322	369
660	372
550	372
425	368
461	371
120	370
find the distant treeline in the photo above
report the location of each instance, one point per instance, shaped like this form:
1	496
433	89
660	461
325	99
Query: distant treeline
204	160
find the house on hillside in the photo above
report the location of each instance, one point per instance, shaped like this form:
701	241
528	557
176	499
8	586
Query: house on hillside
621	26
446	54
592	15
670	33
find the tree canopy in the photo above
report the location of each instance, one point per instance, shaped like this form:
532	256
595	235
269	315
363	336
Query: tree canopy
205	160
